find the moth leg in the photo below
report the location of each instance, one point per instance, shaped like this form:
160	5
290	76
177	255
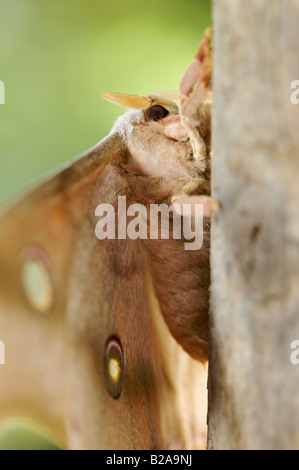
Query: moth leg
196	119
198	144
192	193
195	89
197	186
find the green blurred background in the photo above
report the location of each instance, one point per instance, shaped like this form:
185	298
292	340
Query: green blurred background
57	57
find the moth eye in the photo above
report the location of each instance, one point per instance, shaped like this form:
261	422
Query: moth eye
157	112
113	367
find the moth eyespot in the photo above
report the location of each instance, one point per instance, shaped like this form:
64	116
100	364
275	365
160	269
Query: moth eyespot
36	282
113	366
156	113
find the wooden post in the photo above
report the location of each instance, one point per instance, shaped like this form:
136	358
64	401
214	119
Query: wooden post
253	385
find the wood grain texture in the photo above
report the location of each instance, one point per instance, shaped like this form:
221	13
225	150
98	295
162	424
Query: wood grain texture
253	387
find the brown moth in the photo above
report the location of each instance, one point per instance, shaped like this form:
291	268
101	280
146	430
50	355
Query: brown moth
106	341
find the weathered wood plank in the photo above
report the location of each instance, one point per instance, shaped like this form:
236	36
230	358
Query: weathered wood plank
253	386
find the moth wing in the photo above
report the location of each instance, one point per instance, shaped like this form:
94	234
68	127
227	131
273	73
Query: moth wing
39	235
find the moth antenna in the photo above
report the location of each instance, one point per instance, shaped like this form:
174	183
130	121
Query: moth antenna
128	101
170	95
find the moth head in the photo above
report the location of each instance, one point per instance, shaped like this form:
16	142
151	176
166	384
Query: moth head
157	141
155	107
